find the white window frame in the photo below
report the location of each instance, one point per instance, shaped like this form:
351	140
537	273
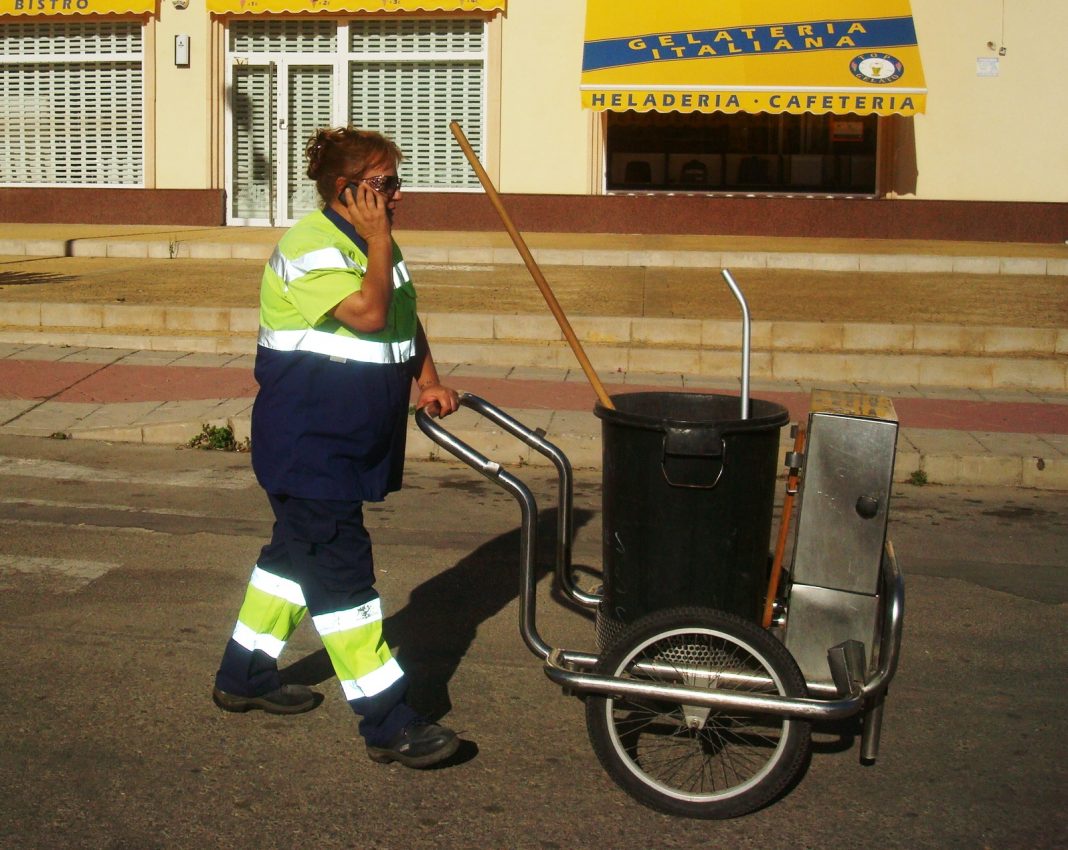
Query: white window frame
339	107
282	61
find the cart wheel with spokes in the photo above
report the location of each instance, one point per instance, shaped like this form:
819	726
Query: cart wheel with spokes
693	761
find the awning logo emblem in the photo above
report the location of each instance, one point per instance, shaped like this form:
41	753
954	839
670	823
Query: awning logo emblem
878	68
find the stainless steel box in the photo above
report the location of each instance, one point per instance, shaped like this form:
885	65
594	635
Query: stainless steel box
841	528
820	618
845	497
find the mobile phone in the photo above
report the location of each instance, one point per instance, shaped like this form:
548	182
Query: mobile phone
351	187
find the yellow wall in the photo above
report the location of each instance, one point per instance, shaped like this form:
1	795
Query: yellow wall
544	145
998	139
182	103
1002	138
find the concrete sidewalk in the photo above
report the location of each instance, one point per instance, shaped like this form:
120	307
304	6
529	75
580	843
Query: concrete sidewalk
1017	438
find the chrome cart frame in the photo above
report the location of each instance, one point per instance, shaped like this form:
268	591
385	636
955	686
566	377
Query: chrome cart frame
857	684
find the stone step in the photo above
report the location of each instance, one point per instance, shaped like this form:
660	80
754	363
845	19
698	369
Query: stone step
421	247
718	334
886	368
712	334
976	357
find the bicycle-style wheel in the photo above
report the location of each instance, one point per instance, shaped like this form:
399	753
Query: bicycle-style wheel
689	761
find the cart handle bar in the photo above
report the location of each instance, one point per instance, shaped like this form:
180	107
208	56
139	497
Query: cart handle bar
527	505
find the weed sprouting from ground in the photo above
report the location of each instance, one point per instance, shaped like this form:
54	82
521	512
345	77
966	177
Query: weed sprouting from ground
219	438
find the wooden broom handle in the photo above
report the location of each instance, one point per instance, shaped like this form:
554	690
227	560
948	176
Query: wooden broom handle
532	267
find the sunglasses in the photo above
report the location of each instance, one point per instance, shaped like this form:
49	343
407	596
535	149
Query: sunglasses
384	184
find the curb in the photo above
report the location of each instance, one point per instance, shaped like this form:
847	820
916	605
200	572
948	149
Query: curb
583	449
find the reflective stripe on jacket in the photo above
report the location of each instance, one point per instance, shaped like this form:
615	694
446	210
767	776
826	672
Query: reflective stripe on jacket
313	269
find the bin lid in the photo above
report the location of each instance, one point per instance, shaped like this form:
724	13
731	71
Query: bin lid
668	411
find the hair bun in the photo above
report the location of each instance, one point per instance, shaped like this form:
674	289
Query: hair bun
314	152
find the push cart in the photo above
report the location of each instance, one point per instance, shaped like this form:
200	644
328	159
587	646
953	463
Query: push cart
698	711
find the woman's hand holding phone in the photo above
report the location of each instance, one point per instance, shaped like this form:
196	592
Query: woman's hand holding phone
368	211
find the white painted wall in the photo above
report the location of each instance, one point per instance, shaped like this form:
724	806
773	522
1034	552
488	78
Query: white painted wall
544	145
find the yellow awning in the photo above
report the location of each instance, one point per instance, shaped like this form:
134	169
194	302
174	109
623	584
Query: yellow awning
837	56
77	7
247	7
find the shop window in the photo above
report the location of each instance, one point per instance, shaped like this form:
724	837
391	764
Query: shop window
762	153
71	103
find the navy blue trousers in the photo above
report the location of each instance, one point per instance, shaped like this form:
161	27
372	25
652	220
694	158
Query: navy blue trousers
319	561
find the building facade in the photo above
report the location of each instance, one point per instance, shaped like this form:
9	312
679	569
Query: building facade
599	116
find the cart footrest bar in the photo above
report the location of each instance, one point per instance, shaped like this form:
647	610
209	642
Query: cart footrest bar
806	709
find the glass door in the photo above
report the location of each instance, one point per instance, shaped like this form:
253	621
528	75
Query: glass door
309	96
276	103
253	141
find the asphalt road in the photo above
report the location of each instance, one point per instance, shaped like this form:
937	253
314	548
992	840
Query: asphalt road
122	568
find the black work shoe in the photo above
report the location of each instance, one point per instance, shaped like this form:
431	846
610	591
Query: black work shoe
288	699
419	744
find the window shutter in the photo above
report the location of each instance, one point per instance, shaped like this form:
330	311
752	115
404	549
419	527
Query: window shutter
279	35
72	104
408	78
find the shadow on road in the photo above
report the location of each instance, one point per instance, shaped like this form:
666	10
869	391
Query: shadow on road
432	633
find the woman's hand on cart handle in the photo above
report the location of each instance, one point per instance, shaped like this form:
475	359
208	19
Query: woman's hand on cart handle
439	400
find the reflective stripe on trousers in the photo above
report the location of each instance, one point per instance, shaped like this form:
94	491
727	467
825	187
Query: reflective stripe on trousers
274	607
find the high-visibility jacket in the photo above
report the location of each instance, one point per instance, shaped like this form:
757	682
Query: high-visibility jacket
329	420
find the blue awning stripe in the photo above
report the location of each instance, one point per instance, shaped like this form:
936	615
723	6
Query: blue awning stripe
845	34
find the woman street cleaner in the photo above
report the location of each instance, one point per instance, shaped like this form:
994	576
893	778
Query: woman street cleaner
339	346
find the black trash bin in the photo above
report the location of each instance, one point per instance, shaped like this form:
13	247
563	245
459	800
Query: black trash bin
688	493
